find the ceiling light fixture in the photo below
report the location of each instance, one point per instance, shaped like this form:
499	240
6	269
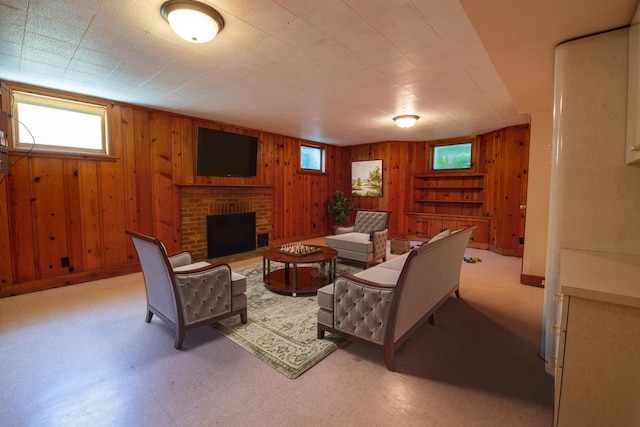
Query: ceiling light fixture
191	20
406	121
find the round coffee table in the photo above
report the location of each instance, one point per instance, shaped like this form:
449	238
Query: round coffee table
294	279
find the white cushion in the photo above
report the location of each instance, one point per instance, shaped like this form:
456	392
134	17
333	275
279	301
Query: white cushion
395	263
325	297
357	242
377	274
238	284
193	266
440	235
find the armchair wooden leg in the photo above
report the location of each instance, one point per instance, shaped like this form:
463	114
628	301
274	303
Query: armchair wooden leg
389	358
243	316
320	333
149	316
179	339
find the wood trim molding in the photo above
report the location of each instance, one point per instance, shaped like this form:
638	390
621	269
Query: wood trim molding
69	279
527	279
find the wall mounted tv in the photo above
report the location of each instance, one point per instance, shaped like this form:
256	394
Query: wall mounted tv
223	153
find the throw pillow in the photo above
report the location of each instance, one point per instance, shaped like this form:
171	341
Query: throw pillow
440	235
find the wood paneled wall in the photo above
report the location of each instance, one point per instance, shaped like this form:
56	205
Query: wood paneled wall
54	206
501	154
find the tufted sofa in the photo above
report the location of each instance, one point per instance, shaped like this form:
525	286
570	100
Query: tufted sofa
384	304
185	294
365	240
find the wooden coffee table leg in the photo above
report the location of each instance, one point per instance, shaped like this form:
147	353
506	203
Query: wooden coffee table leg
286	273
295	277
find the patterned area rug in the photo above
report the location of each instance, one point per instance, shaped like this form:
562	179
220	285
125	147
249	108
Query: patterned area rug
281	330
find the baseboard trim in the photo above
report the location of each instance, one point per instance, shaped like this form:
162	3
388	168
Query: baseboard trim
527	279
68	279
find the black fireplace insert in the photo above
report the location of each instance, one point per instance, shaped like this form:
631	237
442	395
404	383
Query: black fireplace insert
231	234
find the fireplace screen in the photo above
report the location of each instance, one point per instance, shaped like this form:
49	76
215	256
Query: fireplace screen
231	234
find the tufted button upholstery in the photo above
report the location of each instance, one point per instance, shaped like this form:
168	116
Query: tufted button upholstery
204	294
368	221
360	310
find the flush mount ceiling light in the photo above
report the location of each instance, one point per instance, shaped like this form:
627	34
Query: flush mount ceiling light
191	20
406	121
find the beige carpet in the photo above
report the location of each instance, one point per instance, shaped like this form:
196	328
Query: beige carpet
281	330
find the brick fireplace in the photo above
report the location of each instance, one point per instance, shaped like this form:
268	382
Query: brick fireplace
199	201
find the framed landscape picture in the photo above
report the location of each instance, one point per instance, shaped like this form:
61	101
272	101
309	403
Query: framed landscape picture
366	178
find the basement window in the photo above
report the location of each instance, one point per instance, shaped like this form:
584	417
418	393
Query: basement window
45	123
312	158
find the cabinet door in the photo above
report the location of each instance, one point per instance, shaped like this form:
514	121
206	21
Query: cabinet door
417	227
435	226
601	371
480	236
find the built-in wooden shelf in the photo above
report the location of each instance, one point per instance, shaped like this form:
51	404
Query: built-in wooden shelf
450	193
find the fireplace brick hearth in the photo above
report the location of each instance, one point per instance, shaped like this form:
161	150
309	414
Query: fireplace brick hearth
199	201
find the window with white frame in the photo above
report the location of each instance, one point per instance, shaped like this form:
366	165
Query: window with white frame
312	158
55	124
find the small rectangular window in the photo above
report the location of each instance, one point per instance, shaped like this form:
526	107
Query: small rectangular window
48	123
312	158
451	156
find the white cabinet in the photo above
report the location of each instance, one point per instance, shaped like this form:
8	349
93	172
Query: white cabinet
633	98
598	370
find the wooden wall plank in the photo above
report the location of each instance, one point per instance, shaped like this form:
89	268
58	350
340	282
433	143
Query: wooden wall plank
6	273
177	146
144	174
74	216
22	233
49	216
164	192
112	206
123	122
278	180
91	215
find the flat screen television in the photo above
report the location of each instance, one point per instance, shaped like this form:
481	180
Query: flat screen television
223	153
451	156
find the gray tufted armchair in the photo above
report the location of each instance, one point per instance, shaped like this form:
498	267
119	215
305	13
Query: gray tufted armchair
185	294
365	240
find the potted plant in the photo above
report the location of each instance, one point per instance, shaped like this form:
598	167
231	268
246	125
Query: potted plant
339	207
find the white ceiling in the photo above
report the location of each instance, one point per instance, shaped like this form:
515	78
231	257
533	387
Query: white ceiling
333	71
